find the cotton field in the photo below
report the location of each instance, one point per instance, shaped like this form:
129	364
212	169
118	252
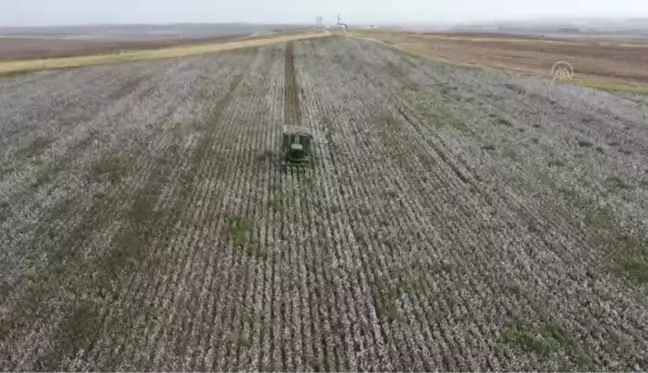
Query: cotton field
453	218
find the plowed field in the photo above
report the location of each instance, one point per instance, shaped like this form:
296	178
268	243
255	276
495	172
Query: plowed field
600	62
454	218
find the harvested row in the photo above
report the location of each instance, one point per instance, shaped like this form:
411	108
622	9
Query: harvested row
291	107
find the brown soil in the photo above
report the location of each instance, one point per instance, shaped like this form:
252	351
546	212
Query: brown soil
25	48
619	61
291	106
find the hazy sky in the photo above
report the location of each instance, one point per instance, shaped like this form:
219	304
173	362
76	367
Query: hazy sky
66	12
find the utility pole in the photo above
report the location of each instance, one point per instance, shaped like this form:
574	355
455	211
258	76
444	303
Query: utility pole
340	23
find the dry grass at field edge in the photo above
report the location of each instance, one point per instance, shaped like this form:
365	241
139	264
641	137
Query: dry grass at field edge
403	41
15	67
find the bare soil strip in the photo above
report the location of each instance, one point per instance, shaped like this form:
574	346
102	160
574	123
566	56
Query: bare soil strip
454	219
291	113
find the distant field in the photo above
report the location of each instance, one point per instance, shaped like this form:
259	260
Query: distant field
35	47
175	49
604	63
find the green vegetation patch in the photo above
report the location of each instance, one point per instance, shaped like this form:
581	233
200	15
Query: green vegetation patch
600	218
387	297
633	260
5	290
113	169
256	252
5	211
556	163
45	176
36	148
239	339
324	364
616	87
443	267
616	183
584	143
504	122
511	153
82	325
545	342
632	257
240	231
241	235
276	205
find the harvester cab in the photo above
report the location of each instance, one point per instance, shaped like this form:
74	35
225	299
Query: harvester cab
296	146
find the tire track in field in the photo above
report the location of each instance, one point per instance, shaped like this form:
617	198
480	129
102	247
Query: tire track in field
416	175
144	225
293	315
440	212
219	339
518	206
365	343
392	129
153	206
245	134
547	237
328	349
280	328
323	361
306	233
444	230
241	253
165	342
225	278
218	335
147	227
292	113
42	182
273	352
66	267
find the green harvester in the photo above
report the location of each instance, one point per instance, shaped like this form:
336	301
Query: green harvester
296	146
